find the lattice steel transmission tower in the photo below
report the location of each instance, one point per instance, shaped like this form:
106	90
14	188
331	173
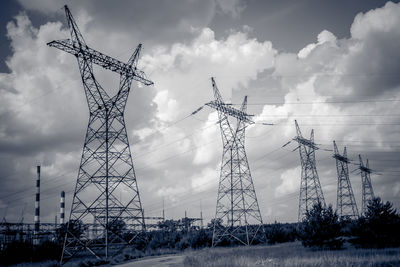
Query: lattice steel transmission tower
237	217
106	199
346	204
310	187
367	190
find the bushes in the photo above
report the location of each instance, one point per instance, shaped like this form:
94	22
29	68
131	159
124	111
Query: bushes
17	252
379	227
200	239
179	239
280	233
47	250
321	228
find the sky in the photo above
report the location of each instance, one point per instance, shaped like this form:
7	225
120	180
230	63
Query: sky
331	65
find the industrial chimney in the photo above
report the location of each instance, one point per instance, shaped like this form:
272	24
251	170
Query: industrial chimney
37	209
62	207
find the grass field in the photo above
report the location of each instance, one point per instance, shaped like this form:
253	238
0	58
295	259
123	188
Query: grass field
291	254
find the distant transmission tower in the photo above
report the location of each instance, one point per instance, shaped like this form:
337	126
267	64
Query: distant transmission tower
346	204
237	217
310	187
367	190
106	169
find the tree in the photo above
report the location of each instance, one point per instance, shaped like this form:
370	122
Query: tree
16	252
379	226
321	228
279	233
200	238
217	222
168	225
76	228
117	227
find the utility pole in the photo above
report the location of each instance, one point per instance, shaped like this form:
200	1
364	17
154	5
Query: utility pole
106	167
310	187
346	205
201	215
367	190
163	210
237	207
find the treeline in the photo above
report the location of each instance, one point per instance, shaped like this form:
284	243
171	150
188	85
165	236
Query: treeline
23	251
378	228
321	228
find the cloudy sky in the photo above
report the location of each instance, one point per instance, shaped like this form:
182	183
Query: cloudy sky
332	65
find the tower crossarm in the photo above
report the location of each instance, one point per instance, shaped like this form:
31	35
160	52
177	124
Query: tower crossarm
341	158
230	111
338	156
306	142
364	168
101	59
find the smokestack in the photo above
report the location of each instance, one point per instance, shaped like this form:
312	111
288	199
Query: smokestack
37	209
62	207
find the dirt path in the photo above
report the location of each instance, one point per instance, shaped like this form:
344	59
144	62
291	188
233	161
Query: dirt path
162	261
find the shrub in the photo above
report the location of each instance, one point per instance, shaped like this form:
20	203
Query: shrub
280	233
47	250
200	239
321	228
379	227
16	252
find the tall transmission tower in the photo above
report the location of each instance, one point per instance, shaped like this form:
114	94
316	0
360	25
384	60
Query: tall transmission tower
310	187
106	170
237	217
346	204
367	190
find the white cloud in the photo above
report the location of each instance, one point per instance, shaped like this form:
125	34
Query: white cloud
323	37
211	131
208	178
384	20
44	113
290	182
166	106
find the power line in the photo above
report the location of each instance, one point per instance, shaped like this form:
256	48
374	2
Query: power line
76	169
330	115
321	102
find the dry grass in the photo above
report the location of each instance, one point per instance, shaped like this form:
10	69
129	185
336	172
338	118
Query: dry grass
291	254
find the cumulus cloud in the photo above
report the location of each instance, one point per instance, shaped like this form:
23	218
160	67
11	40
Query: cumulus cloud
177	156
290	182
183	68
323	37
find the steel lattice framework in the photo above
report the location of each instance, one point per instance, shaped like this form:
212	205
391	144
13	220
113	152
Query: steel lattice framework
367	190
106	191
237	217
346	204
310	187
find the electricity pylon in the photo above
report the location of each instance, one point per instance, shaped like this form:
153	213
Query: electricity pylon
237	217
310	187
106	191
367	190
346	204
